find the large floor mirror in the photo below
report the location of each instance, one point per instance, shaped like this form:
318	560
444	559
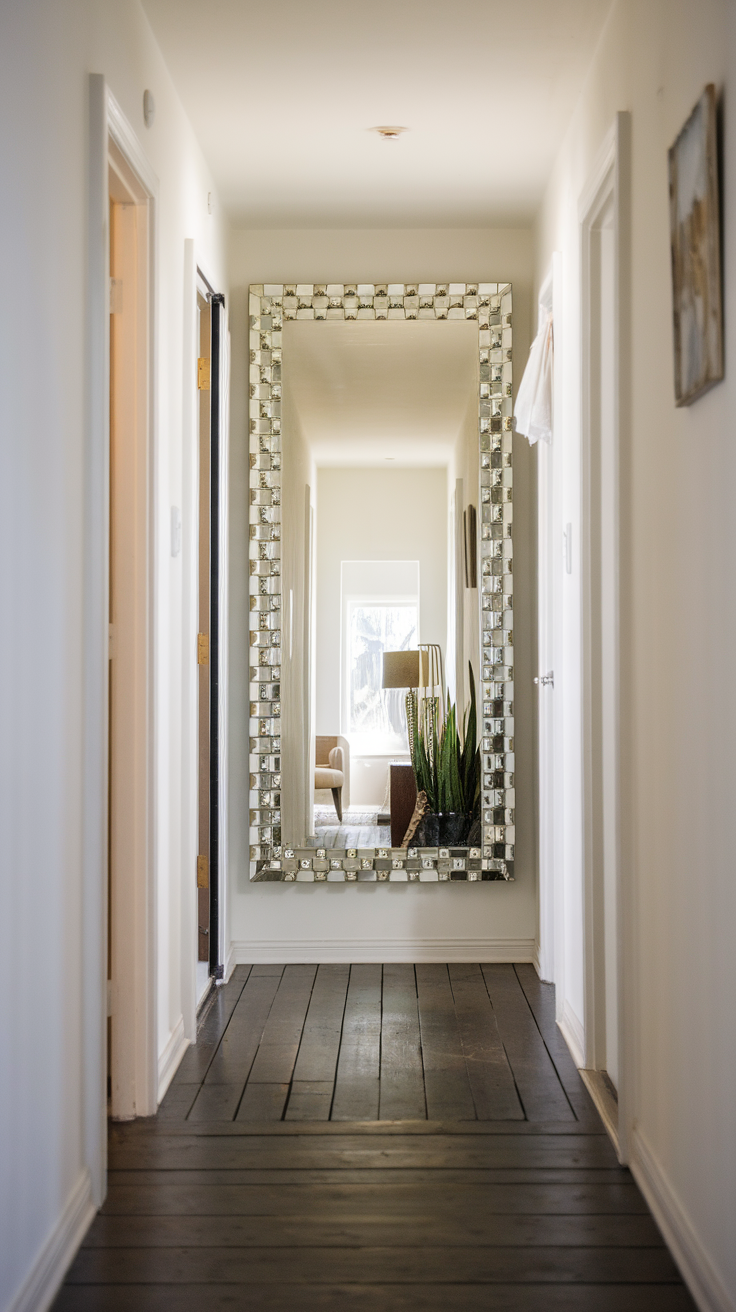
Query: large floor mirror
381	583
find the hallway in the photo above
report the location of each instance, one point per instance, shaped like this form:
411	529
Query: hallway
276	276
216	1199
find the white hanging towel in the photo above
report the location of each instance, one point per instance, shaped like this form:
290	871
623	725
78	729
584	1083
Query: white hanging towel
533	415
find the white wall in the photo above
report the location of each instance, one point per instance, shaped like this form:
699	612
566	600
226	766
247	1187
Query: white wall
678	712
47	51
465	469
313	922
299	475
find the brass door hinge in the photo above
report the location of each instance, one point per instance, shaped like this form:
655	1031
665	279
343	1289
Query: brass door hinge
203	373
203	649
203	872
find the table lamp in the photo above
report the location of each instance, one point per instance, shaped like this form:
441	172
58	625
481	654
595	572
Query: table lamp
401	669
406	669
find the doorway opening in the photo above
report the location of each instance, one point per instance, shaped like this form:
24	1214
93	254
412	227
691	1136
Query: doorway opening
204	362
210	531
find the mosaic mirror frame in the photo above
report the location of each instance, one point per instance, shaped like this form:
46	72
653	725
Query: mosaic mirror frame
490	305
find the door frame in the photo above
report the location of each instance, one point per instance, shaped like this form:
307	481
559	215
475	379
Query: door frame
198	279
218	642
109	124
608	186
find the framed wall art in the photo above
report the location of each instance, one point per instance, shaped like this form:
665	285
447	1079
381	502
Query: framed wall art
696	253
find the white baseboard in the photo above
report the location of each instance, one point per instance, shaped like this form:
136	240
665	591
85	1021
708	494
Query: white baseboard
605	1104
574	1035
44	1280
270	951
696	1267
230	964
171	1056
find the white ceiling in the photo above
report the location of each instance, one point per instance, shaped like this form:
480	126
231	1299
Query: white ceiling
367	391
283	94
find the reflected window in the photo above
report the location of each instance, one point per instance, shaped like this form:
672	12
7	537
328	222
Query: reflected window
373	627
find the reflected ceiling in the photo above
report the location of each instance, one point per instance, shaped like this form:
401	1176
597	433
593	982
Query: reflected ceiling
367	391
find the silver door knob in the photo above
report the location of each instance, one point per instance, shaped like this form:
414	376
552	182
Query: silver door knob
546	679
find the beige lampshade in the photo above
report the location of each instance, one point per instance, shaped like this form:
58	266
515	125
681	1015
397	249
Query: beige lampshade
401	669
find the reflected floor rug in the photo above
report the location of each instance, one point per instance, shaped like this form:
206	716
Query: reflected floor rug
359	828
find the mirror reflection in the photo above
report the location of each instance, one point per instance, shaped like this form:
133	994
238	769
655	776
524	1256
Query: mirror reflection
380	489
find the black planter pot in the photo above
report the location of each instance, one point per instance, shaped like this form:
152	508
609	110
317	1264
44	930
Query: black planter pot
447	829
474	833
428	831
453	829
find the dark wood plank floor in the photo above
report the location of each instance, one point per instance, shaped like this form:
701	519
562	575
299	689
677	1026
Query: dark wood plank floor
371	1137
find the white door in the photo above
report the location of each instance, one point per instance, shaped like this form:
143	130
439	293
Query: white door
604	622
550	564
601	280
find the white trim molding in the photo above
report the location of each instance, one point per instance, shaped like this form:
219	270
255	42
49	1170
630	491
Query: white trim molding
603	204
41	1286
172	1054
573	1033
110	128
698	1271
190	625
437	950
605	1103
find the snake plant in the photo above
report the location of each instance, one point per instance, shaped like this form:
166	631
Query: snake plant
446	762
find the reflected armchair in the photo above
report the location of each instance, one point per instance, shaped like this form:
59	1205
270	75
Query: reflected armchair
332	769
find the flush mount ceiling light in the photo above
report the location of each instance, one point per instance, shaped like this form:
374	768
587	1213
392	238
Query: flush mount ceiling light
387	133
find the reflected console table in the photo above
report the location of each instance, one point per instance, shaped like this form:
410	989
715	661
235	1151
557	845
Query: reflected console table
403	800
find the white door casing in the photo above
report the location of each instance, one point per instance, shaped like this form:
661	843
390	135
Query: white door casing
607	931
